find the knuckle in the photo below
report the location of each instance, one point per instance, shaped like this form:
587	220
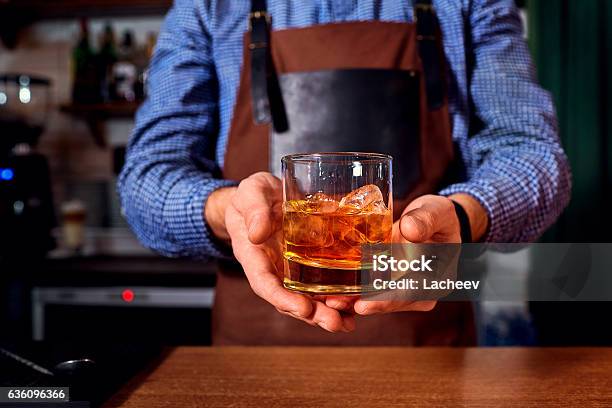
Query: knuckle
428	200
238	198
367	308
265	179
419	225
283	311
244	184
260	174
258	291
449	203
413	222
274	296
429	219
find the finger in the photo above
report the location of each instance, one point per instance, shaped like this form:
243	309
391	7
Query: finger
366	308
343	303
347	321
305	320
329	319
418	225
262	274
429	218
266	285
258	199
370	307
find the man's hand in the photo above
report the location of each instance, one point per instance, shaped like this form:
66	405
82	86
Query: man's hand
253	222
428	219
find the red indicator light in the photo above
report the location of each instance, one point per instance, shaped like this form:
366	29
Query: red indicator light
127	295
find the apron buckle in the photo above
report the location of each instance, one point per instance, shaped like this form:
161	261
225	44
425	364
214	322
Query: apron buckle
258	15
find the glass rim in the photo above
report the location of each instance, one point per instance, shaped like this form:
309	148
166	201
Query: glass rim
337	157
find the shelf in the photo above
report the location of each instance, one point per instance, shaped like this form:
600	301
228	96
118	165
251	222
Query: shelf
95	115
17	14
42	9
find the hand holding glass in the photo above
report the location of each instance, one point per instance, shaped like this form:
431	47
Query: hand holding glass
333	204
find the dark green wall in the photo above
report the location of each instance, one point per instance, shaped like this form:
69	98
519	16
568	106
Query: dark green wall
571	41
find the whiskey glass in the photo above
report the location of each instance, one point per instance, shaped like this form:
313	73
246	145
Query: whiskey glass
334	203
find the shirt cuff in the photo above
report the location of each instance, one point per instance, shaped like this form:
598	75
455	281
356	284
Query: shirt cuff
490	201
184	217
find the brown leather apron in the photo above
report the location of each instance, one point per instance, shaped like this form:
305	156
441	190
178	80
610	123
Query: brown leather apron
354	86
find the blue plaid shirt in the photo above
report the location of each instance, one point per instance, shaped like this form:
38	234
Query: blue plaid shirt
503	123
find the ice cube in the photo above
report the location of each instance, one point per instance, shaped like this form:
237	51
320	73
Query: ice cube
377	207
363	198
322	203
355	237
303	227
379	227
346	229
295	206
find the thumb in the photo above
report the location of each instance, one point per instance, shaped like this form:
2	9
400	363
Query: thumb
258	199
417	225
260	225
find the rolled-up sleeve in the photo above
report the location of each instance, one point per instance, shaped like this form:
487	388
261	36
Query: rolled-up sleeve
170	169
517	168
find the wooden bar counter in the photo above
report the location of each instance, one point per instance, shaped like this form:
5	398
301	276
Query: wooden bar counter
271	377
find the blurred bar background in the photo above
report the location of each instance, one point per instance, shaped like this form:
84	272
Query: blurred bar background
106	286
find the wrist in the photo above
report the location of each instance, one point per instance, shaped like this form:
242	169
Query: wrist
476	214
214	211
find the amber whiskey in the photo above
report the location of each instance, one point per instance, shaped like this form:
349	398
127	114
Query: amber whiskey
324	238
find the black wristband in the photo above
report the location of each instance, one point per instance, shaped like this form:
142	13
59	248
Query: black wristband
464	223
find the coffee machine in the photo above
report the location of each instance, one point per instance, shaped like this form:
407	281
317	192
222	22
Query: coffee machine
26	203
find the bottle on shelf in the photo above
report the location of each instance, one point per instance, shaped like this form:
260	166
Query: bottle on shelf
107	57
85	80
125	72
127	48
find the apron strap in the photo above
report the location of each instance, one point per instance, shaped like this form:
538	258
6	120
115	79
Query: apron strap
266	95
265	92
428	30
259	49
